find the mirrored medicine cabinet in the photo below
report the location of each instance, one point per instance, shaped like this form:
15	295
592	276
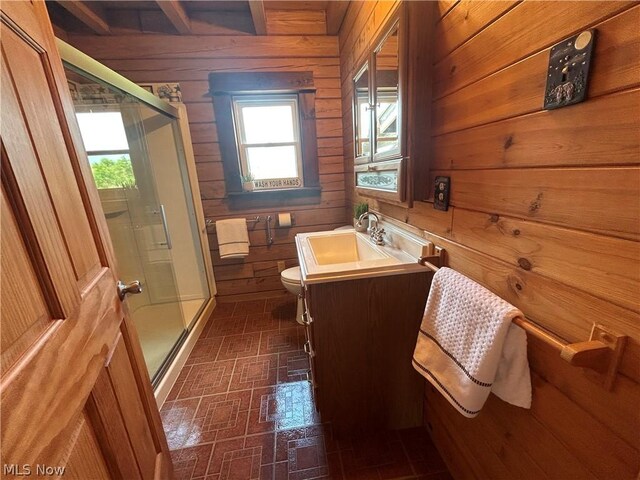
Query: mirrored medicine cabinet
384	103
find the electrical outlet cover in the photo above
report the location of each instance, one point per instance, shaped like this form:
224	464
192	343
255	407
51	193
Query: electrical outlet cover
441	193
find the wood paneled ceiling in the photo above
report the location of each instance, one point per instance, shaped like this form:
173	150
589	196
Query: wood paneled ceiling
198	17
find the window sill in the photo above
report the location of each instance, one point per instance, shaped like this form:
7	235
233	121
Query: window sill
278	193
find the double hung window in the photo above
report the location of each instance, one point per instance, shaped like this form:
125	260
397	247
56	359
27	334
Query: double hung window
267	130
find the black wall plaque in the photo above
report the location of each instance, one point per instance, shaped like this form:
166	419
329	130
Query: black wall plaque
568	72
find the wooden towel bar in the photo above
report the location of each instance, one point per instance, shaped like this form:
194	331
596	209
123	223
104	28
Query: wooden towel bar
602	352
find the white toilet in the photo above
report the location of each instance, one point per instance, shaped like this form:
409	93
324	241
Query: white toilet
291	280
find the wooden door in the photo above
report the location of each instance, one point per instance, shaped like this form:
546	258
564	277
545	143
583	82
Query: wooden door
75	394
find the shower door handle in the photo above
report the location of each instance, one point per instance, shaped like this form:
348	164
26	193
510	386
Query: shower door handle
125	288
167	235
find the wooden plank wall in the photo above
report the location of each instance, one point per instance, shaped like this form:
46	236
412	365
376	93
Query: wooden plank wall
189	60
545	212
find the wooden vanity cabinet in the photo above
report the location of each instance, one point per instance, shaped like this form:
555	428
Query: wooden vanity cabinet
361	336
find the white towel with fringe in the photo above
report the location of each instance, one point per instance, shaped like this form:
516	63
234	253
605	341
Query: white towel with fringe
233	238
468	346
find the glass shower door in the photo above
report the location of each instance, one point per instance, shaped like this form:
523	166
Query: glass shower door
140	175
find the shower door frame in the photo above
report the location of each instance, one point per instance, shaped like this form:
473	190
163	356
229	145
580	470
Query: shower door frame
178	112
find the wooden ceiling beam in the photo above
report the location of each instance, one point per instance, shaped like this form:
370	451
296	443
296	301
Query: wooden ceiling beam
259	17
336	10
91	17
177	15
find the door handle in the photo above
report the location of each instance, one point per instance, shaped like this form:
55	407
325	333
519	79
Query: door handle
165	227
125	288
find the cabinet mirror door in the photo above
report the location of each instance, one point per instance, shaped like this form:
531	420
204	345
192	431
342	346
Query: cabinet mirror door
387	104
362	115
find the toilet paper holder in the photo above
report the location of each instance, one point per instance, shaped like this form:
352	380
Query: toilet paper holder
270	232
285	220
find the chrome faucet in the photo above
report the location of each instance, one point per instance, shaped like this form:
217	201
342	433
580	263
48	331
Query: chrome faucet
368	215
374	232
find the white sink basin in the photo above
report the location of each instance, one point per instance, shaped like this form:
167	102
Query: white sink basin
343	248
338	255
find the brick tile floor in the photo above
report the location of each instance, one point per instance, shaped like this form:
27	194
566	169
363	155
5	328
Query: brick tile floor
242	409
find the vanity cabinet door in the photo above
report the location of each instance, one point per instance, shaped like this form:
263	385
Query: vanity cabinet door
309	345
363	334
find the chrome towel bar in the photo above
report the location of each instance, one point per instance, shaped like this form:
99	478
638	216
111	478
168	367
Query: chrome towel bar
208	222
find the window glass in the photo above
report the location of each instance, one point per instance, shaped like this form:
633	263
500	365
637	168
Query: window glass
268	138
387	77
363	113
102	131
268	123
107	147
387	118
272	162
363	129
112	171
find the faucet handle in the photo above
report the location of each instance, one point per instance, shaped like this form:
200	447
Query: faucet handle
376	236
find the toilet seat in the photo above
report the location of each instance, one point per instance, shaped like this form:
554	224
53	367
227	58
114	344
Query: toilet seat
291	275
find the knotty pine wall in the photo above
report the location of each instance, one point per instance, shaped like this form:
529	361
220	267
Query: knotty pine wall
189	60
545	213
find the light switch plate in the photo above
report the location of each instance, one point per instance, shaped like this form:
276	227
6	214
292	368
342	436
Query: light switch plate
568	71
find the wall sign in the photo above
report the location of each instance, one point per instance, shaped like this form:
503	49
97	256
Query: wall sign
277	183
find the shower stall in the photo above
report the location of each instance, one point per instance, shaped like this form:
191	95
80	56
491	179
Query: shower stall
145	174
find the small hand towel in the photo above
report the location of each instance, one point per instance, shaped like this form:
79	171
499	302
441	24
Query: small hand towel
233	238
513	380
461	345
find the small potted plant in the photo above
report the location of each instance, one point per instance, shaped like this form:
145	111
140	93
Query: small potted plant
247	182
358	210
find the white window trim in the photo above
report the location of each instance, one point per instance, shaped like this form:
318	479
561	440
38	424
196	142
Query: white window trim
261	100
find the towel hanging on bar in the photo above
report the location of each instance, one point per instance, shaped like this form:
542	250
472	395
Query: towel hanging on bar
602	352
468	346
233	238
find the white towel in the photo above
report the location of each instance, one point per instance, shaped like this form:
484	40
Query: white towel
468	347
233	238
513	379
